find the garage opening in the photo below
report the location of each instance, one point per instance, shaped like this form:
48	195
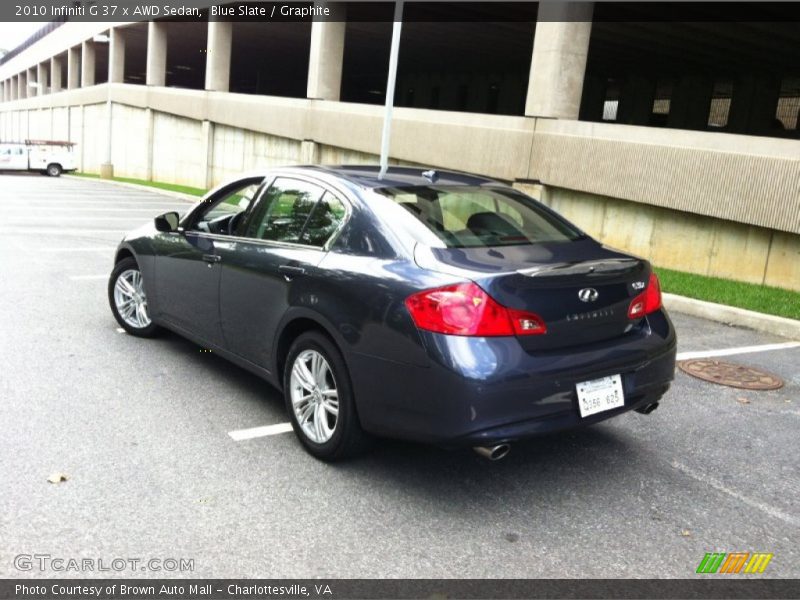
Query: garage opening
135	53
186	54
696	72
270	58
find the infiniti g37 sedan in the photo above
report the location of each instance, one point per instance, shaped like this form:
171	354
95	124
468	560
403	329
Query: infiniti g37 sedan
430	306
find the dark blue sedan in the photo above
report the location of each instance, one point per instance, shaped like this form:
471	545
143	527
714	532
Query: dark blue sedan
430	306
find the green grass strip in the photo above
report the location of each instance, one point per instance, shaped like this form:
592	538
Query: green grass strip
750	296
172	187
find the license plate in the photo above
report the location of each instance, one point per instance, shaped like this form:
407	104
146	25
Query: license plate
599	395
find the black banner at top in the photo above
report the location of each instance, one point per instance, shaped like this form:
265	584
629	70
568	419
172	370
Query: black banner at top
383	11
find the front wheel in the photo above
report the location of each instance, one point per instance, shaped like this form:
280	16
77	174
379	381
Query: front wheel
128	299
319	399
54	170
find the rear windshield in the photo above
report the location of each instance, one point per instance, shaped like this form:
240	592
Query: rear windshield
469	217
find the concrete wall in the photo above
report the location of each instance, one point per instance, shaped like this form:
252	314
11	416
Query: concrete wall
178	150
129	153
237	150
682	241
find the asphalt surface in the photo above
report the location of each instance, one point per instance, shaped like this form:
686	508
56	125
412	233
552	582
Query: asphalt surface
140	428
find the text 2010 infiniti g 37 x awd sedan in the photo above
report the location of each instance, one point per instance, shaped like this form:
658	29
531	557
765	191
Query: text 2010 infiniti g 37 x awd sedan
429	306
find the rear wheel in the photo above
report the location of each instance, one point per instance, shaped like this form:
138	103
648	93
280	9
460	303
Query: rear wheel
128	299
54	169
319	399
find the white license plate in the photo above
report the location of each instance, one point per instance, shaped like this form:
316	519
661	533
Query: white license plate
599	395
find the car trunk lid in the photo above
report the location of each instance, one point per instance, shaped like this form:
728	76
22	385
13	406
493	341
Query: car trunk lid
580	289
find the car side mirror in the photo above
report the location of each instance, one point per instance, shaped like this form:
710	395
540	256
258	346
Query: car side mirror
168	222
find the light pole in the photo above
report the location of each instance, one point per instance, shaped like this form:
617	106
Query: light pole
390	86
107	167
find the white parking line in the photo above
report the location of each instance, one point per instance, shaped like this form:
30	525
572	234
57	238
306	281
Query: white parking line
58	231
762	506
85	249
93	218
740	350
83	209
254	432
87	277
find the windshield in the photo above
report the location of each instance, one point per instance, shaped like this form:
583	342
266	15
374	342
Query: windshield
470	217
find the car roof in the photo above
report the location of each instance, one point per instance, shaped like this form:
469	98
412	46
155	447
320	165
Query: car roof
367	176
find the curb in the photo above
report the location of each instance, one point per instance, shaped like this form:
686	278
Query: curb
180	195
735	317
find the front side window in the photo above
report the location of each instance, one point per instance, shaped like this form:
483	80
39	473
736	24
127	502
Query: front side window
468	217
224	213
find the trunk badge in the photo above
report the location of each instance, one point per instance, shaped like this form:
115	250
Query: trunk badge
588	295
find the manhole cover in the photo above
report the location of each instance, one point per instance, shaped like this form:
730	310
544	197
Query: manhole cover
730	374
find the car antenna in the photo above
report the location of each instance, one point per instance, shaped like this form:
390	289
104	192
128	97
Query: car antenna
431	175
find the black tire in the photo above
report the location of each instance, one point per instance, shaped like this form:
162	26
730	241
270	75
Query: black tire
54	170
127	264
348	439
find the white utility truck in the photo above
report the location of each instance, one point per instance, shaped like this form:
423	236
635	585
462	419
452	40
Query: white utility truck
49	157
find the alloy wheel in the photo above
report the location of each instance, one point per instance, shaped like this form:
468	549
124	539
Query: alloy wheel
130	299
315	399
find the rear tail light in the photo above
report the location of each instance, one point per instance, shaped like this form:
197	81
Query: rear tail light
465	309
648	301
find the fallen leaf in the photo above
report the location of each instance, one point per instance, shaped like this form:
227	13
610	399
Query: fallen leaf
686	533
57	477
743	400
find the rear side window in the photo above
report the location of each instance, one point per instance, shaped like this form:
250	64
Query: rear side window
298	212
323	221
284	210
467	216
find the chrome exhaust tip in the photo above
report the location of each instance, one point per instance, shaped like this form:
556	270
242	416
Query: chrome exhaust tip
493	452
646	410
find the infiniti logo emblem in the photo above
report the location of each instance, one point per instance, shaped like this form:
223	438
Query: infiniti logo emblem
588	295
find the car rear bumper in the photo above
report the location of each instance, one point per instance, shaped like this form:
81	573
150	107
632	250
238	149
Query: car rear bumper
480	391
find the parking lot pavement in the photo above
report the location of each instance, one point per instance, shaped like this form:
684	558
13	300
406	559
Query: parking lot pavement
141	428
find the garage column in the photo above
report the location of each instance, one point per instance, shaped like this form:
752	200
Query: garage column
73	68
55	74
156	53
116	56
325	60
42	70
558	64
87	64
15	87
218	56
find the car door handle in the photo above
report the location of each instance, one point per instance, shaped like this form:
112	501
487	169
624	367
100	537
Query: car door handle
212	258
290	271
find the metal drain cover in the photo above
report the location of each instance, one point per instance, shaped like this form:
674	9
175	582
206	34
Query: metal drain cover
730	374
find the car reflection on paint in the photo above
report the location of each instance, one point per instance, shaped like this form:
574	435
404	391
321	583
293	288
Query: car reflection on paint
431	306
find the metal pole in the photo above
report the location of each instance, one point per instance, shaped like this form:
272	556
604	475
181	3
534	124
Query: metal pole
390	85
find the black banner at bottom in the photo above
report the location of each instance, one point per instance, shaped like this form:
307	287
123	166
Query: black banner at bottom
246	589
